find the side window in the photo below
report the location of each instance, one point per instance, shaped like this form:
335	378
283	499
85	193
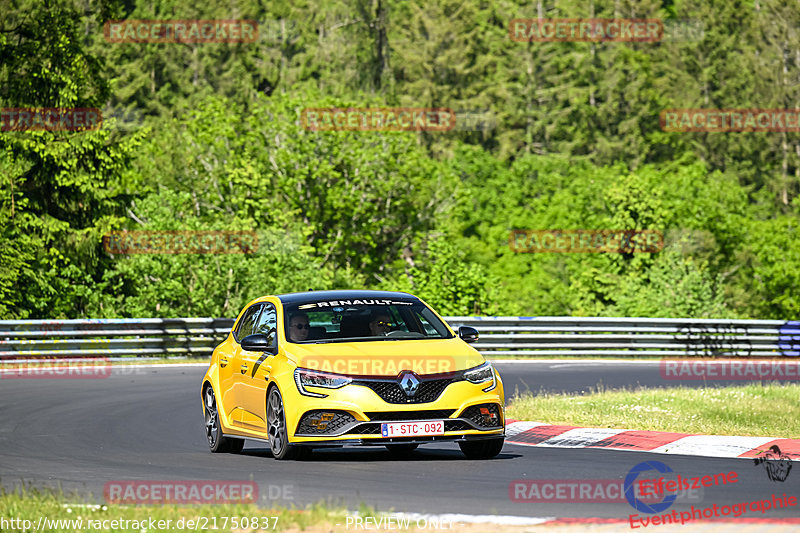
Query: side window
429	329
427	320
248	322
268	323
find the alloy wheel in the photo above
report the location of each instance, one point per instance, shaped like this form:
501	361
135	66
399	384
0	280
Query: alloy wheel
212	433
276	428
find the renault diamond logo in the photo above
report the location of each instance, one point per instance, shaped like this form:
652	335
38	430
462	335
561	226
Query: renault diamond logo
409	382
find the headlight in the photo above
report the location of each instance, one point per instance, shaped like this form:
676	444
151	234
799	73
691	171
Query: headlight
479	374
482	374
313	378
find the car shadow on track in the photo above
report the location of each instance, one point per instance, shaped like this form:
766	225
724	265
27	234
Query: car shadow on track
356	454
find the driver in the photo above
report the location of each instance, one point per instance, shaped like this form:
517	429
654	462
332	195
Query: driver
380	324
298	327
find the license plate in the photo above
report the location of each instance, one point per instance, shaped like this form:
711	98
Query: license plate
413	429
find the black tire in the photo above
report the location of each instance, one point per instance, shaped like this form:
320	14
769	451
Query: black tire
276	430
482	449
401	449
217	441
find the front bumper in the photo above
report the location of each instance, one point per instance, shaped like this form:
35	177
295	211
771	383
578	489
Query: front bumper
365	412
399	440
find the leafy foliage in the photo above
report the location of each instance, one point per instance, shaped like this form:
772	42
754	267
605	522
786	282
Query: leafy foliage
216	143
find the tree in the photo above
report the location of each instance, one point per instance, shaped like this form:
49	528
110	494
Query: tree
60	189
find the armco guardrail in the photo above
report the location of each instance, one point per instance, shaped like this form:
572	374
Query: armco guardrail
111	337
531	336
527	336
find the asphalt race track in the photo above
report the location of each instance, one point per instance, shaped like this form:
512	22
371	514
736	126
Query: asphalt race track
146	424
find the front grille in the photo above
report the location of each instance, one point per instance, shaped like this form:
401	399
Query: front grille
367	428
431	414
456	425
489	419
390	391
324	427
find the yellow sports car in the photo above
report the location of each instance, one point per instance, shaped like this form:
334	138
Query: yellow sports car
334	368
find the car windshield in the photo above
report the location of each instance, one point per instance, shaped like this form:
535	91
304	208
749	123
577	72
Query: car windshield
361	320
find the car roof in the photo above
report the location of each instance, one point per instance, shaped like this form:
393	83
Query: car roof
315	296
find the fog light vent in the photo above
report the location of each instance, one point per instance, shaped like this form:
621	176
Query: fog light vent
322	422
486	415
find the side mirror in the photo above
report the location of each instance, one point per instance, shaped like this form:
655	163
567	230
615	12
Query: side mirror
258	342
468	334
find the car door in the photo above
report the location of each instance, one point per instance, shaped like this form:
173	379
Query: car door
258	367
235	369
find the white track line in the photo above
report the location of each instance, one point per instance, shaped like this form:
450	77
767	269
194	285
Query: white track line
515	428
713	445
727	446
580	437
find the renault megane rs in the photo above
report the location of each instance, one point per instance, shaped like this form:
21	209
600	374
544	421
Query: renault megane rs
335	368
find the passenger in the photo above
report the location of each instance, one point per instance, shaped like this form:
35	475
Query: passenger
381	324
298	327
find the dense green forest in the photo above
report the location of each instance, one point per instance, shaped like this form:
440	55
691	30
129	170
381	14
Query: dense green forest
207	136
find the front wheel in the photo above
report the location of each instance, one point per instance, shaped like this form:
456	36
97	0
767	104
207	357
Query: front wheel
482	449
217	442
276	430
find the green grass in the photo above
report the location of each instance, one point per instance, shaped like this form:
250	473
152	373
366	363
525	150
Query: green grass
31	504
750	410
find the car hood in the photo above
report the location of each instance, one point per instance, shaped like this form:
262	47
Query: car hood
386	358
